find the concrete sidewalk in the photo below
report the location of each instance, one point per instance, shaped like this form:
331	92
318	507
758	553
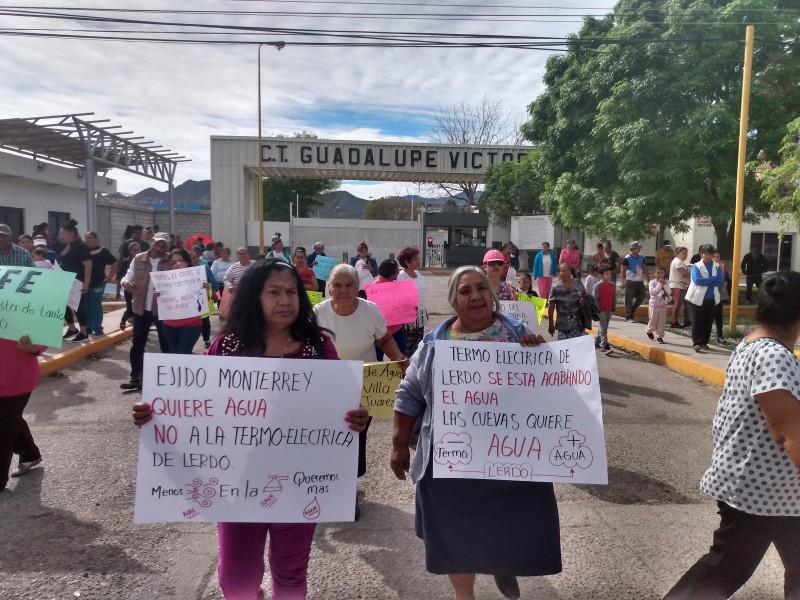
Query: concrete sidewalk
676	353
55	359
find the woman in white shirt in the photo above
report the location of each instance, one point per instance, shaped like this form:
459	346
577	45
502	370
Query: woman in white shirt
357	326
409	259
679	279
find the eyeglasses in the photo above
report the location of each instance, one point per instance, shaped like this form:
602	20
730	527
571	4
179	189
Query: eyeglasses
495	263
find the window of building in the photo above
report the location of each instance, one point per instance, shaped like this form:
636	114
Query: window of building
778	255
14	218
473	237
55	220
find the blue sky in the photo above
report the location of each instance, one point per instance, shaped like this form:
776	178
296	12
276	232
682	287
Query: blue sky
180	95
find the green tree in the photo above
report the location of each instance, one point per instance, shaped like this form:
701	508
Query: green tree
280	192
513	188
391	208
782	181
639	122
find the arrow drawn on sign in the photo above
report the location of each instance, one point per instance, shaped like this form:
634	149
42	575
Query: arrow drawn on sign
462	470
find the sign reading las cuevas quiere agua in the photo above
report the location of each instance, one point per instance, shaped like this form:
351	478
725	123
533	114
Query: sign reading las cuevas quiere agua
507	412
33	303
247	440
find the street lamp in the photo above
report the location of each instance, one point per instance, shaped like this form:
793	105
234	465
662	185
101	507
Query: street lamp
278	46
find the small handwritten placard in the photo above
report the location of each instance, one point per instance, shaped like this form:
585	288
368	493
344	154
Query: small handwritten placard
524	311
381	380
323	266
397	300
182	294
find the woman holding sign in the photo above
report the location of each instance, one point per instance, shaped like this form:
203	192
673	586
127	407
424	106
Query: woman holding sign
502	528
271	317
19	376
358	326
181	334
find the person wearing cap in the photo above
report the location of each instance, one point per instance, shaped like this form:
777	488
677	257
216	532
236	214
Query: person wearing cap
319	250
12	255
493	265
145	310
40	242
545	268
664	256
633	274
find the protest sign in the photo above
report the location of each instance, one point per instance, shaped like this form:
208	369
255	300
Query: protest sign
247	440
181	294
314	297
397	300
323	267
381	380
33	302
504	411
74	297
524	311
539	303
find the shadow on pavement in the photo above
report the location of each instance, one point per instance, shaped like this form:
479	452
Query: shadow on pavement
73	546
629	487
627	390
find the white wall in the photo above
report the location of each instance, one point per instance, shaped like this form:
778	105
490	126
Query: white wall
39	190
342	235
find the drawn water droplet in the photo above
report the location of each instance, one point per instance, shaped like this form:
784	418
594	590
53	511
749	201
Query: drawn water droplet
313	510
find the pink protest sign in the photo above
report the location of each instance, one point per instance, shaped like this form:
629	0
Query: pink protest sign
397	300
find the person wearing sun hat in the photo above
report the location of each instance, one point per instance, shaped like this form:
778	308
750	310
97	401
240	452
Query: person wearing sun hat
145	310
493	264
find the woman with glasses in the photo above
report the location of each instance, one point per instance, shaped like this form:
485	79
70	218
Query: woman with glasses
493	265
181	334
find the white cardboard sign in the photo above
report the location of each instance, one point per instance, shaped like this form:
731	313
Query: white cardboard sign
524	311
504	411
181	293
247	440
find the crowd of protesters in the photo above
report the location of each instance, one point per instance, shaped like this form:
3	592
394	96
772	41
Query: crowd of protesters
345	324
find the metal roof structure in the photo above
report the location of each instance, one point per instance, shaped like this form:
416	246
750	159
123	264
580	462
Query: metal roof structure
83	143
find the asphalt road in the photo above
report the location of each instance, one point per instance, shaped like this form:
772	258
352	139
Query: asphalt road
66	529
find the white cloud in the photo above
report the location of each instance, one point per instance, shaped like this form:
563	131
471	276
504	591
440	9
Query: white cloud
179	95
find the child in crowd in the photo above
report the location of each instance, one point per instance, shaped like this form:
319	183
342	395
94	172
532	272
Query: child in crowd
591	279
660	294
40	259
526	285
605	293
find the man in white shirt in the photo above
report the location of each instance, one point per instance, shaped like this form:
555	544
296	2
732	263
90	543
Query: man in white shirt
145	309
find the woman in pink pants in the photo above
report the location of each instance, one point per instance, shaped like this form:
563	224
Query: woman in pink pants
272	317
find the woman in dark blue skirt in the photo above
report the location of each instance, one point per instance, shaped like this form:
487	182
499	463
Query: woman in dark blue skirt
501	528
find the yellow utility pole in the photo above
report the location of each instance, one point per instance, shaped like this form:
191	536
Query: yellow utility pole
737	220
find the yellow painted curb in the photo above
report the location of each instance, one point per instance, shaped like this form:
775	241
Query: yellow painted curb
676	362
73	355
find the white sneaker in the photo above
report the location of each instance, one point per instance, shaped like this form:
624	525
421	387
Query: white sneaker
24	467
